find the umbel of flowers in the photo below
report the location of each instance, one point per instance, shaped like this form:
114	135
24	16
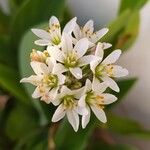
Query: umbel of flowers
72	72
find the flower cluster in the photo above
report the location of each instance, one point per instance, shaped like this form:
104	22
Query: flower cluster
72	73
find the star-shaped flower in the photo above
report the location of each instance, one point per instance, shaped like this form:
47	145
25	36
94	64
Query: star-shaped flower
72	57
94	99
53	36
48	79
105	70
68	105
88	31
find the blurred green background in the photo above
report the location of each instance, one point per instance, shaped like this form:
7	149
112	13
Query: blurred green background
25	124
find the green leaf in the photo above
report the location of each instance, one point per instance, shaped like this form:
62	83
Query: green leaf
4	23
116	26
5	56
126	126
14	5
100	145
21	121
33	12
66	138
131	4
9	80
37	140
125	86
123	33
128	36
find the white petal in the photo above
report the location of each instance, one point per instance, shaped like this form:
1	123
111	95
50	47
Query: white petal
88	27
86	118
41	91
93	65
36	93
76	72
66	43
44	68
81	47
61	79
70	26
88	59
59	114
78	92
106	45
82	110
108	98
50	62
118	71
99	113
111	83
73	119
56	101
99	50
42	42
88	85
112	58
53	21
59	68
53	93
65	91
50	96
34	79
39	68
98	87
56	53
77	32
41	34
81	101
99	34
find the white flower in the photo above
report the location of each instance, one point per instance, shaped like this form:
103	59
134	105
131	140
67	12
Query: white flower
68	106
94	99
88	32
53	35
47	79
106	70
72	57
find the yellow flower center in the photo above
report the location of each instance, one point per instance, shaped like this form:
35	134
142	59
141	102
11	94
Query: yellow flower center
69	101
104	69
99	70
71	61
56	40
51	80
93	99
